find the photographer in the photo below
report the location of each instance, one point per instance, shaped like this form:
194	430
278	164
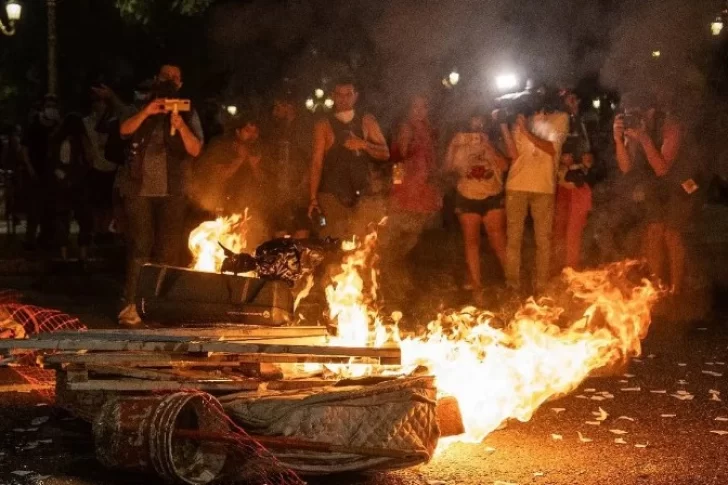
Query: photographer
573	193
534	148
162	144
652	150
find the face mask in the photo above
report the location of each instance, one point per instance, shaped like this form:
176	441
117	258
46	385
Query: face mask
345	116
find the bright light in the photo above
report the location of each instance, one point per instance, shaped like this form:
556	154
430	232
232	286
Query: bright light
597	103
232	110
506	82
716	26
656	54
329	103
454	78
14	10
319	93
310	103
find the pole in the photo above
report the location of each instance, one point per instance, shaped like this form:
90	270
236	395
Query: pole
52	68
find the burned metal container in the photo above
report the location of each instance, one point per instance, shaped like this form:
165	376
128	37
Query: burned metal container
140	434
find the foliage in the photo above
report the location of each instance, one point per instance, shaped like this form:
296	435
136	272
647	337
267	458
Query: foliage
141	11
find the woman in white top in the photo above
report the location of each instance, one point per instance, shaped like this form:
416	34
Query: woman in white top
480	171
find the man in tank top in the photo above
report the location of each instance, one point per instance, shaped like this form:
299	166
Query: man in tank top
346	146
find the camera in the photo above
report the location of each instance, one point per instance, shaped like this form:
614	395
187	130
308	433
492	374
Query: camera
523	103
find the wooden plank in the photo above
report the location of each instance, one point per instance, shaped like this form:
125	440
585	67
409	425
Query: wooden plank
145	359
294	384
197	347
26	387
128	385
231	332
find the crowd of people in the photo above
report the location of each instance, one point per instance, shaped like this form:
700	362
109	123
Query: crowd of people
147	170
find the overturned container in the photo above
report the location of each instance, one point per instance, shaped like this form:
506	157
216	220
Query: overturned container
138	434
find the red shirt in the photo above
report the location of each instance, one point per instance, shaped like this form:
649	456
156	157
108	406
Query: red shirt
417	192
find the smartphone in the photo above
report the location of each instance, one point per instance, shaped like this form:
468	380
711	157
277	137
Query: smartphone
178	105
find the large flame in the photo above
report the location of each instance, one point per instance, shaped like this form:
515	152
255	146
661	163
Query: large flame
204	241
500	373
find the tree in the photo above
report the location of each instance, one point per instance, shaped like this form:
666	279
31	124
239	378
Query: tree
142	11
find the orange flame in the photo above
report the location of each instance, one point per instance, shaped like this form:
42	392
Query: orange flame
203	241
501	373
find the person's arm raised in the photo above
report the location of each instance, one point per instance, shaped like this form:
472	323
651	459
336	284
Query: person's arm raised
374	144
130	125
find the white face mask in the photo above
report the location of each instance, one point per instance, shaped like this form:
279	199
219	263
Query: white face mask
345	116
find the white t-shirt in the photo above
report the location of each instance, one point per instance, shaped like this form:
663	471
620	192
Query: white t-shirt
479	174
535	170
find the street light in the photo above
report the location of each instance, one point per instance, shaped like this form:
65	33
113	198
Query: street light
319	93
232	110
329	103
597	103
716	26
14	10
656	54
453	77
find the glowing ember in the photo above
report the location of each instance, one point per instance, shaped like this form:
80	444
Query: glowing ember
204	241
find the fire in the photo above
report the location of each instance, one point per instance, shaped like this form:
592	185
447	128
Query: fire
204	241
501	373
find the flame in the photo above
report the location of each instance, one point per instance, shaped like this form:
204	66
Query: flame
502	372
204	241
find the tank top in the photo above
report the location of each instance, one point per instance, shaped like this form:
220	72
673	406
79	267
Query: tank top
345	173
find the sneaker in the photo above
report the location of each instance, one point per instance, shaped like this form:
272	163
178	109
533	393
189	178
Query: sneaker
129	316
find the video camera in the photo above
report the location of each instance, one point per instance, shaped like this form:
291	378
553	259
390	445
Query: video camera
524	103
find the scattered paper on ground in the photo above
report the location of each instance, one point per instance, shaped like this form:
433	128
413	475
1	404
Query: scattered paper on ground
558	410
681	364
668	415
719	432
641	445
22	473
582	438
721	418
620	441
557	437
617	431
39	421
500	482
712	373
631	389
628	376
593	423
601	415
658	391
625	417
538	474
590	390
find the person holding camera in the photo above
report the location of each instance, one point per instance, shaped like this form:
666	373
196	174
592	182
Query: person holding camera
163	141
480	170
343	182
654	154
573	193
534	148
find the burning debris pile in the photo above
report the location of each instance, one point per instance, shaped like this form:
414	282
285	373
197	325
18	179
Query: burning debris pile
299	390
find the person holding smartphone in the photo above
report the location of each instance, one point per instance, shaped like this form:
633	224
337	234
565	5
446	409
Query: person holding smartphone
162	144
